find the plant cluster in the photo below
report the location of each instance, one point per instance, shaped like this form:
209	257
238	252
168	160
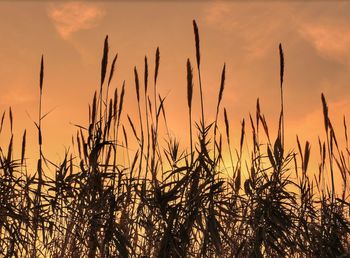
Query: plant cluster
163	200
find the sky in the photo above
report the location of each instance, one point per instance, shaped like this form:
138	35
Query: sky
245	35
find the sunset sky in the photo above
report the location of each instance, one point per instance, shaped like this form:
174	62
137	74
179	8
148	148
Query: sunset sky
315	38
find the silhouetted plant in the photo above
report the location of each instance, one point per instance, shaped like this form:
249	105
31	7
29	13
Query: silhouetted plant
168	200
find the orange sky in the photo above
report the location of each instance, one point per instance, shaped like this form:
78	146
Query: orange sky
315	37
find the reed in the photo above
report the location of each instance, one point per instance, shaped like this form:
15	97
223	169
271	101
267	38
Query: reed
163	199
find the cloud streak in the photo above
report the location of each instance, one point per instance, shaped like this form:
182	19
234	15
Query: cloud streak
257	33
331	41
72	17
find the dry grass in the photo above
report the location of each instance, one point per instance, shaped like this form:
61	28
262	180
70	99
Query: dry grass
167	201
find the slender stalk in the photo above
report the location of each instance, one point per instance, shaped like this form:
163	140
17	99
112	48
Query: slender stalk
198	58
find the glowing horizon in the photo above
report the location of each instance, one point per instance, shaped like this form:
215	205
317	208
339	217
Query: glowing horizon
70	36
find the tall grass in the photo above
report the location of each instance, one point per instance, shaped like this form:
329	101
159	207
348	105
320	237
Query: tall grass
165	200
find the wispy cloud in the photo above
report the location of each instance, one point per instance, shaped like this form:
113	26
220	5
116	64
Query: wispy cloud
254	25
74	16
16	96
215	12
259	26
331	40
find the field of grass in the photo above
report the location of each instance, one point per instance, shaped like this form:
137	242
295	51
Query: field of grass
163	200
